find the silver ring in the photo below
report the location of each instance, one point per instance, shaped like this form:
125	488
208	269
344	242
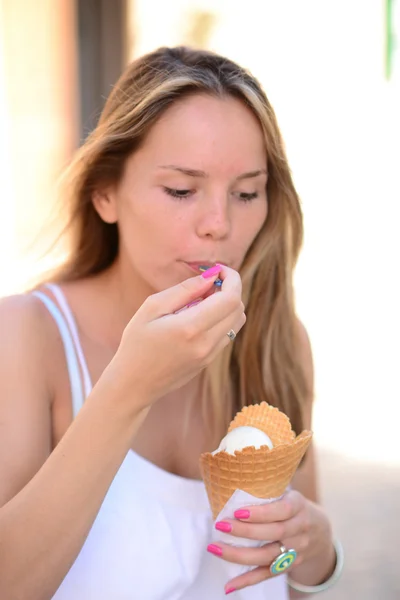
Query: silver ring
231	335
283	561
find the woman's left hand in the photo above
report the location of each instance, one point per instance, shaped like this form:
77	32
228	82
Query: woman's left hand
293	522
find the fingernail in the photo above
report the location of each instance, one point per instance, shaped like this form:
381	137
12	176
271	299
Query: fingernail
214	549
211	272
241	514
223	526
230	590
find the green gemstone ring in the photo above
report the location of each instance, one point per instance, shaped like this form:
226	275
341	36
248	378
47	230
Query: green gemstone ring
282	562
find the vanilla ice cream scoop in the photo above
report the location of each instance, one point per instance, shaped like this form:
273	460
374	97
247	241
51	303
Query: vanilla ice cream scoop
243	437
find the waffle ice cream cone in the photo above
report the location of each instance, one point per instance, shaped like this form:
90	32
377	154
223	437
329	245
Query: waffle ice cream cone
263	472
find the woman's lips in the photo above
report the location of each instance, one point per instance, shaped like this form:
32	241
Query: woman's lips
199	267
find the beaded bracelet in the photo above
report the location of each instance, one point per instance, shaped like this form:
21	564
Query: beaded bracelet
314	589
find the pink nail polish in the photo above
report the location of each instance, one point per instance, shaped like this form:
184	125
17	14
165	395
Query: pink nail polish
211	272
214	549
193	303
242	514
223	526
230	590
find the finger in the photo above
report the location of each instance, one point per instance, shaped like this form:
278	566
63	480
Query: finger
234	321
262	556
197	301
221	335
210	292
217	307
177	297
250	578
231	280
215	342
262	573
279	510
266	532
300	543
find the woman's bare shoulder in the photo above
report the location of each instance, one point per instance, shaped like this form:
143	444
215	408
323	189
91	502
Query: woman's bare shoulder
21	309
25	395
30	337
25	324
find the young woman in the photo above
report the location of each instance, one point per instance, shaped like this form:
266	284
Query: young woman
118	373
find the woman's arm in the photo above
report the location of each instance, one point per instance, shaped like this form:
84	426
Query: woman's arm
321	565
49	501
294	521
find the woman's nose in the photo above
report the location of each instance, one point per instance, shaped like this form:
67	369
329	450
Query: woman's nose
214	219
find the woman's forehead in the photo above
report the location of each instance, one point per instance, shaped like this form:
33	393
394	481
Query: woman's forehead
203	130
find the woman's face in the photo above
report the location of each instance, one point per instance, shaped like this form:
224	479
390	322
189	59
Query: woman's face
193	194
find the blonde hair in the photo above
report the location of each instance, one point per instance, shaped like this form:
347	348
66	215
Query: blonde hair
263	363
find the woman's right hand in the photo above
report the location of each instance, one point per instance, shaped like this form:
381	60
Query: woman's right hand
163	347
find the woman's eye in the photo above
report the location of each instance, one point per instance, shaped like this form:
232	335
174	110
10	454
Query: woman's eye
177	193
247	197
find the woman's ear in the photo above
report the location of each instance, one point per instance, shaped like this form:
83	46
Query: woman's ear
106	206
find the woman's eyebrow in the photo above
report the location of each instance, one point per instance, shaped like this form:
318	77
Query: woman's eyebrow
198	173
185	171
252	174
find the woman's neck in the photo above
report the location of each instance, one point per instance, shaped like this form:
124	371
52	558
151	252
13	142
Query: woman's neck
105	303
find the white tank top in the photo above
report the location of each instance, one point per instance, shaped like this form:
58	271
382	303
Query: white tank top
149	539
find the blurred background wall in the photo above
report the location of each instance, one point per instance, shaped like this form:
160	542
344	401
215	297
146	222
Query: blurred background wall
332	71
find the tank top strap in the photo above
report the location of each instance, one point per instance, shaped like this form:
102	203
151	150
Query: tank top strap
67	313
77	395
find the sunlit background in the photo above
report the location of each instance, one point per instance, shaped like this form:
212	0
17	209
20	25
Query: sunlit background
332	71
